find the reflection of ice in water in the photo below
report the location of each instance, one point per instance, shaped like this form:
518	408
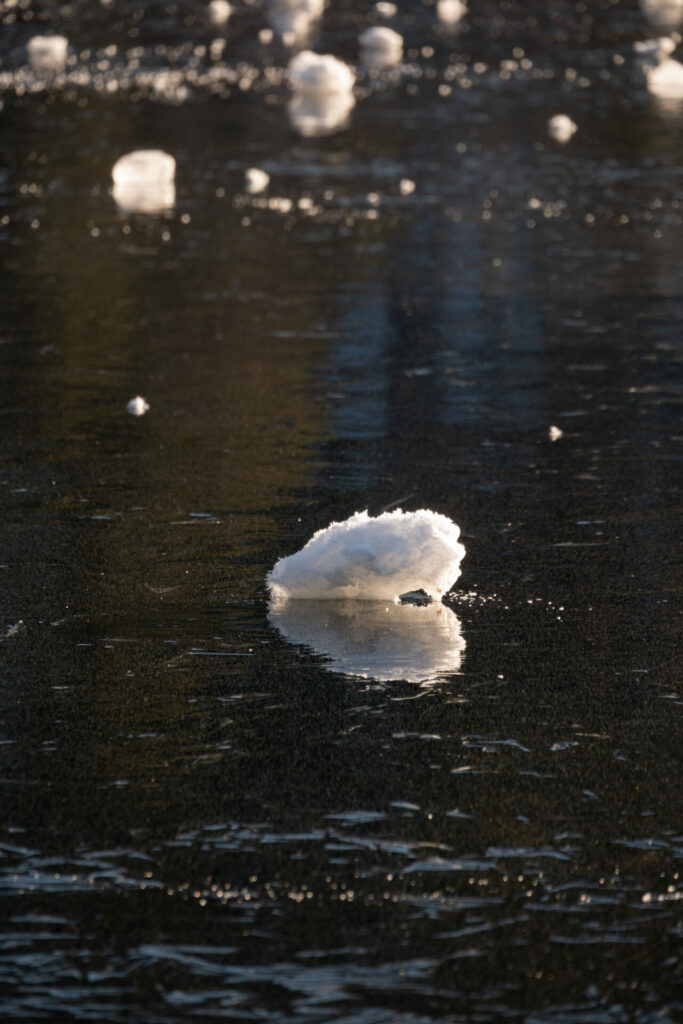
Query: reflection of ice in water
293	19
663	74
47	53
373	559
144	181
323	92
380	47
373	639
665	14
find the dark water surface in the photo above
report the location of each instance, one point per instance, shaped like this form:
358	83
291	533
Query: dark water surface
203	817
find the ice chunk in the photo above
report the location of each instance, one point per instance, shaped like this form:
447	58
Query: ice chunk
376	640
323	92
554	433
385	9
561	128
380	46
219	11
47	53
451	11
144	181
374	559
255	180
137	406
663	74
665	14
316	74
292	19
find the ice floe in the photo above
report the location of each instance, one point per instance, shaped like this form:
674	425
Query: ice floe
373	559
144	181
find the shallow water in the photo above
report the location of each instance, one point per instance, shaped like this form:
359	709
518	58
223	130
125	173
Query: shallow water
203	817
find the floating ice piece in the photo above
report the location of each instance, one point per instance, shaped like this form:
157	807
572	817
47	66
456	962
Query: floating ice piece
376	640
380	46
144	181
219	11
554	433
373	559
137	406
451	11
255	180
663	74
561	128
665	14
316	74
47	53
323	93
385	9
292	19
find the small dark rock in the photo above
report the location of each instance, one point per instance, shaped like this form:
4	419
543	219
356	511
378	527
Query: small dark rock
418	597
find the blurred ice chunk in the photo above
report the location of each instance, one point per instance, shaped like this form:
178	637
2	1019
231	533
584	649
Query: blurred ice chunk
323	93
255	180
376	640
293	19
663	74
451	11
47	53
554	433
380	46
665	14
218	12
137	406
561	128
144	181
385	9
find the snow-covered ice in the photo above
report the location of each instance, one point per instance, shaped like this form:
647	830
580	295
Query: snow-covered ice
451	11
663	74
323	92
666	14
47	53
374	639
144	181
137	406
293	19
219	11
373	559
256	180
380	46
561	127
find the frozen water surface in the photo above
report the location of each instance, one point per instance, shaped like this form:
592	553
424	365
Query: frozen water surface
213	813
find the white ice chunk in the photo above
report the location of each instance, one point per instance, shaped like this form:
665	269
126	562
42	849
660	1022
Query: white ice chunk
144	181
380	46
293	19
376	640
323	92
652	52
137	406
385	9
373	559
554	433
219	11
256	180
665	14
561	128
666	80
319	74
450	11
47	53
